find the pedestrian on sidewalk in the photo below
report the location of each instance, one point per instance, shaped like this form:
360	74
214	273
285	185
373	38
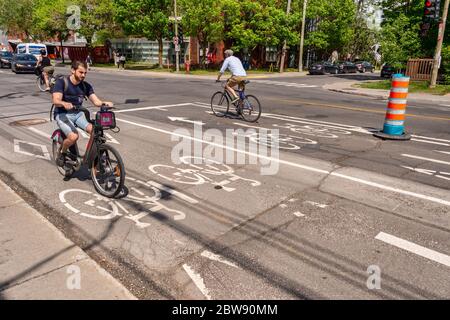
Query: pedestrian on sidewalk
116	58
122	60
89	61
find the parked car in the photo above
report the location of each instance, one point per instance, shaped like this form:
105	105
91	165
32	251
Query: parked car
364	66
23	62
5	59
323	67
387	71
347	67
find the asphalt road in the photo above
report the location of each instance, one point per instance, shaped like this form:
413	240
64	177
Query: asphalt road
339	205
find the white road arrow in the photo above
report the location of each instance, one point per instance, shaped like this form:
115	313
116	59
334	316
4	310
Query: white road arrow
183	119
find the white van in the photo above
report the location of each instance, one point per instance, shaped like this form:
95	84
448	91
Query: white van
31	48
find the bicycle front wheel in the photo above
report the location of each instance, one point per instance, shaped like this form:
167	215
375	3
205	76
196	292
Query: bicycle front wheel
108	171
219	104
40	83
251	109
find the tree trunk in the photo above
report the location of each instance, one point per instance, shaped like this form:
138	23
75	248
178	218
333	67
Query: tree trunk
203	62
160	52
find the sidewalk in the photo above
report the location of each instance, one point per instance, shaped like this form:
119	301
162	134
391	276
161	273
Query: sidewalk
347	87
38	262
182	74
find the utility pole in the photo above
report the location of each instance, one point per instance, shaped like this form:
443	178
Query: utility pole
302	37
283	52
177	45
437	53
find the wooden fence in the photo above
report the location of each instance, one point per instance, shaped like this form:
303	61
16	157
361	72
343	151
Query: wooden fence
419	69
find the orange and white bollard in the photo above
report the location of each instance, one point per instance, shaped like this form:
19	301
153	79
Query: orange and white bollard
394	128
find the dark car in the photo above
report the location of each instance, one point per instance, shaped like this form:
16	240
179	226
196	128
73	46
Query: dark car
387	71
364	66
23	63
347	67
5	59
323	67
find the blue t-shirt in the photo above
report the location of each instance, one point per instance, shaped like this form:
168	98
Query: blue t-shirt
74	93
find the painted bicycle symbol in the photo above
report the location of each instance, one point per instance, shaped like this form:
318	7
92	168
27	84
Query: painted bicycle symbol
209	171
314	130
145	196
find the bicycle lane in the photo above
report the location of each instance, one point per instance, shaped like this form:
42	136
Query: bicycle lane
262	271
174	247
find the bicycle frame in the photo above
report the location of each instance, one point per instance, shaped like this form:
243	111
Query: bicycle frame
240	92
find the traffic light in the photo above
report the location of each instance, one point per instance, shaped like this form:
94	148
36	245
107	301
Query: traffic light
432	9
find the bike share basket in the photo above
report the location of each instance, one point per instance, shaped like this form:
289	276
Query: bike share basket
105	119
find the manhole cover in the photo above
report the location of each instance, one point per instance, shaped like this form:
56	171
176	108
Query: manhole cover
28	122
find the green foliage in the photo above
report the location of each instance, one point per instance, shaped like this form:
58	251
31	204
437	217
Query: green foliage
335	20
401	41
49	19
16	16
145	18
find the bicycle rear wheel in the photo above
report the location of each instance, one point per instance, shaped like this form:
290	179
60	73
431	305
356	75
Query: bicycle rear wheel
219	104
251	109
108	171
40	83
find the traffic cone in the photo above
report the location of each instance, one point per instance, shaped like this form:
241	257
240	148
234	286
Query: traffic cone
393	128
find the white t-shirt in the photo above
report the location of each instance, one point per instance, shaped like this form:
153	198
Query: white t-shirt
234	65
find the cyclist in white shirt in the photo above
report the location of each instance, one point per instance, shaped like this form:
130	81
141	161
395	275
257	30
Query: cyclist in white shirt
238	73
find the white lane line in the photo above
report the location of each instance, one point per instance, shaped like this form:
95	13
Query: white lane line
298	214
216	257
154	107
39	132
296	165
175	193
431	142
428	138
323	206
444	152
414	248
426	159
340	126
198	281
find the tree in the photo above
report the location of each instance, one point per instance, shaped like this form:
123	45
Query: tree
17	16
334	20
97	21
203	19
147	18
49	20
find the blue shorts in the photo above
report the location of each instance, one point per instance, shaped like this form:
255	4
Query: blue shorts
68	122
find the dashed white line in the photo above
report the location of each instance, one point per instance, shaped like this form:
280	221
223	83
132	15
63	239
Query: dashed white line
426	159
39	132
216	257
298	214
198	281
414	248
154	107
323	206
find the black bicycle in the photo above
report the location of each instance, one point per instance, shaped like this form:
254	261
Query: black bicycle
248	106
40	80
105	163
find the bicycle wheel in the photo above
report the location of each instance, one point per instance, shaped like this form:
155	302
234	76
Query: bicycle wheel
57	141
108	171
40	83
251	109
219	104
